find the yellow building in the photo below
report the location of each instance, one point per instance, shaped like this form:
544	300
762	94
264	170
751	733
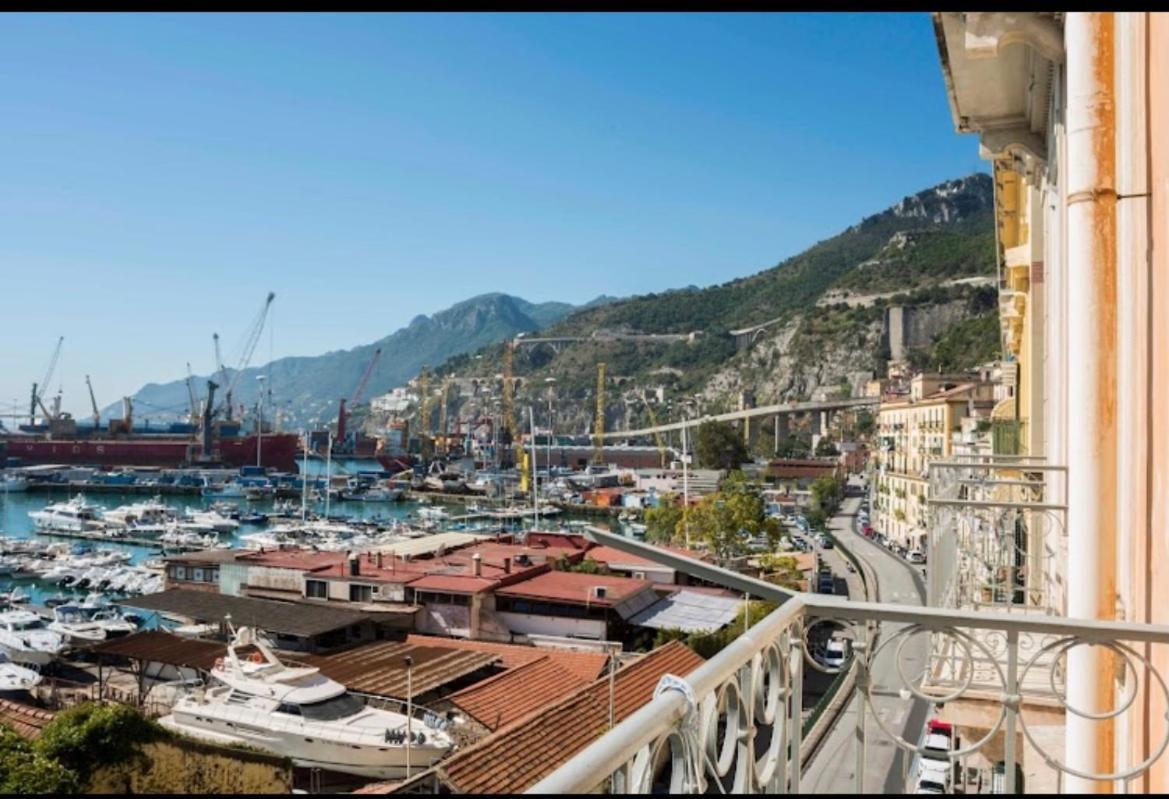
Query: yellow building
912	431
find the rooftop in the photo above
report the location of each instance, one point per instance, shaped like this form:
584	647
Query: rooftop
520	753
577	588
380	668
502	699
690	612
586	665
289	618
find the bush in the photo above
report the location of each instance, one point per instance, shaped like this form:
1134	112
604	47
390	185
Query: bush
91	735
23	769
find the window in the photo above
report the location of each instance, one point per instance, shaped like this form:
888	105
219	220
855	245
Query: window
211	575
288	710
180	572
197	574
360	593
339	707
316	589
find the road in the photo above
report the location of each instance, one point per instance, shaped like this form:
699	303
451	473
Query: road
833	769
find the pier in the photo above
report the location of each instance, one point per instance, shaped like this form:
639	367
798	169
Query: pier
96	536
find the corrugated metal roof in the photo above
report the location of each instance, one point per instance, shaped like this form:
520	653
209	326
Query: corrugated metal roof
506	697
380	668
290	618
158	646
521	753
432	543
689	612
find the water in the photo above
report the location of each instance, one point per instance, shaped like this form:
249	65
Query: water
15	523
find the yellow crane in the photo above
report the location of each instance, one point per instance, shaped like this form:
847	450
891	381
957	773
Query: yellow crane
599	422
653	421
424	403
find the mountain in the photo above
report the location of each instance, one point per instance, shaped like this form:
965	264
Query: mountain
815	322
308	387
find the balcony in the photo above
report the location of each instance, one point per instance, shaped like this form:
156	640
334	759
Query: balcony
737	723
1009	437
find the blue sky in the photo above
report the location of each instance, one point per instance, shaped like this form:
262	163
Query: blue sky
161	173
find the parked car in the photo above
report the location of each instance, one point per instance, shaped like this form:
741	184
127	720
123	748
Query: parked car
915	556
835	653
933	776
826	542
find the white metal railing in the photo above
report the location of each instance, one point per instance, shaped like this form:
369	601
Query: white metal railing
735	723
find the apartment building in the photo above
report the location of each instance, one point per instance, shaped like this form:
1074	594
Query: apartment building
912	430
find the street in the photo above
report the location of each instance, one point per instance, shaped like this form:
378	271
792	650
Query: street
833	768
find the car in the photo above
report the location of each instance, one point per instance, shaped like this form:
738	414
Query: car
937	746
826	542
835	653
915	556
933	776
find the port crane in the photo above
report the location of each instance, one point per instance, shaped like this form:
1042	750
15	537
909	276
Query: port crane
508	409
249	347
93	402
222	371
194	416
37	396
342	413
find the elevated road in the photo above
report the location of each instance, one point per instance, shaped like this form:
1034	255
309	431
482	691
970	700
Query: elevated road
750	413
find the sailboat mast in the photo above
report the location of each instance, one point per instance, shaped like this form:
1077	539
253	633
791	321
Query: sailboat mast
535	505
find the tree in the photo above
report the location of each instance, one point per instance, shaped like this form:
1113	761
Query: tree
726	520
827	493
663	524
865	423
825	448
719	446
792	447
783	570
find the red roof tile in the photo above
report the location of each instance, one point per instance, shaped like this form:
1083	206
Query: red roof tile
502	699
453	583
586	665
521	753
576	587
26	720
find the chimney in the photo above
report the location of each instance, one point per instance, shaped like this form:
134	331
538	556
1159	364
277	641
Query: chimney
476	565
507	565
379	559
599	591
354	565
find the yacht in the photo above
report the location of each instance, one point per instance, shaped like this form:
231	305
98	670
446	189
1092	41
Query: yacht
381	494
76	625
76	515
226	491
209	518
14	677
24	639
302	714
140	514
438	513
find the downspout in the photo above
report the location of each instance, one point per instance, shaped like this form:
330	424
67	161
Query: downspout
1091	385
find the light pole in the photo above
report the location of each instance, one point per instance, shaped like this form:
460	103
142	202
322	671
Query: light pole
260	419
409	709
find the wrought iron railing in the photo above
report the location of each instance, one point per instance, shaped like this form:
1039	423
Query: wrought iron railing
735	724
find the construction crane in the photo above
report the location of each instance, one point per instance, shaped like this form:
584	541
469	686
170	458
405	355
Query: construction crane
93	402
194	417
599	422
250	343
424	402
342	413
44	384
508	409
653	420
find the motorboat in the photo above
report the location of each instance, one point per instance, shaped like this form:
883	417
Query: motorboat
14	677
224	491
76	625
216	521
25	639
435	514
381	494
300	713
153	512
76	515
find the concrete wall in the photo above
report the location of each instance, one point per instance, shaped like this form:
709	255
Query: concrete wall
908	327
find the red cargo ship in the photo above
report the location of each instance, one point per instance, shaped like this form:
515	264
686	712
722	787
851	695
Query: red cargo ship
278	450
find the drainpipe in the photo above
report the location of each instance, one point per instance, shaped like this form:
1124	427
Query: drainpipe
1091	382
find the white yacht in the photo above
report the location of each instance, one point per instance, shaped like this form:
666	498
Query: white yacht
209	518
24	638
76	625
438	513
14	677
302	714
76	515
152	512
381	494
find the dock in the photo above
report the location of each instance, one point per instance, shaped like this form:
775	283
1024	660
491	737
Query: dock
80	486
142	542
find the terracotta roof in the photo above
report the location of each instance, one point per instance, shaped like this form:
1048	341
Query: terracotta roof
453	583
26	720
521	753
577	588
159	646
586	665
502	699
380	668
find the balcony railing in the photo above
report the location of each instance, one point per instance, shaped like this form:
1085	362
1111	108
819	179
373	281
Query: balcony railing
1008	437
735	724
